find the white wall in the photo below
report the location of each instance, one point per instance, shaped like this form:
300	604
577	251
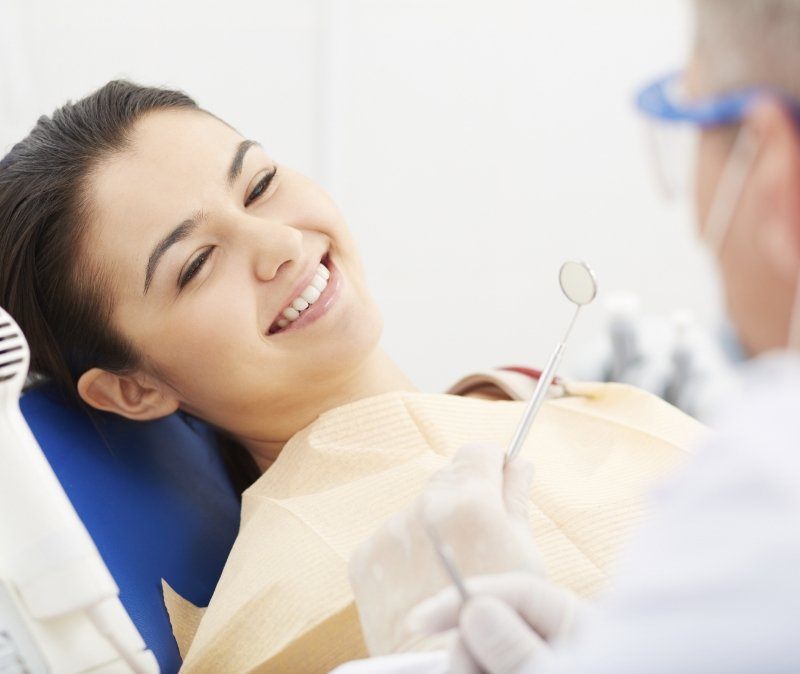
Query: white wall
472	145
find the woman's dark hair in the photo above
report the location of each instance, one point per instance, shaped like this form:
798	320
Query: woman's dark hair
62	303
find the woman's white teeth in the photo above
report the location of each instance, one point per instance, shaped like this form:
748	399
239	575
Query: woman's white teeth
307	297
310	294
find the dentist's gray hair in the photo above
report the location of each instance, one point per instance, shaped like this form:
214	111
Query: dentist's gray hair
748	42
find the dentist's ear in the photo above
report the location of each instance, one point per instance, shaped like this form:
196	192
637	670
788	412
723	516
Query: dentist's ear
777	179
131	396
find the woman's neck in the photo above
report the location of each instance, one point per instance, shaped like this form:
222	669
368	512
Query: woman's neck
378	374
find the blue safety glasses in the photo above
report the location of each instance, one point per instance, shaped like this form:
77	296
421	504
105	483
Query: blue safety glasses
666	101
675	120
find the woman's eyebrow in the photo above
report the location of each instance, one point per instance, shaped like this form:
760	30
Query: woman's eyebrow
181	232
188	226
238	159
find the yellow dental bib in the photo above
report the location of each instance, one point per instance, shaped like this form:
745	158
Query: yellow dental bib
284	604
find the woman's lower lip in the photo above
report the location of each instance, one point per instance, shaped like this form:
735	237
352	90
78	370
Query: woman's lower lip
322	305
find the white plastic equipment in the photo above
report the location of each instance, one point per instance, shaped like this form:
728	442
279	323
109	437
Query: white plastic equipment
59	607
674	357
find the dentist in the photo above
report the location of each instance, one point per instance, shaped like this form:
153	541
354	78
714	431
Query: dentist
712	581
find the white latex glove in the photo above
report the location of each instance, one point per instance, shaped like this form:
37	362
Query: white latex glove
478	507
505	627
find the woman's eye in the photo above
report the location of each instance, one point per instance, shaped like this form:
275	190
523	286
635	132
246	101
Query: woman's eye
261	186
195	266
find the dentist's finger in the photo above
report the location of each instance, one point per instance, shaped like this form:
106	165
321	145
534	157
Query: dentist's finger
517	478
547	608
497	637
460	659
478	461
458	495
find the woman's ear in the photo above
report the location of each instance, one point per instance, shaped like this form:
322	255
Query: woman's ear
778	180
125	395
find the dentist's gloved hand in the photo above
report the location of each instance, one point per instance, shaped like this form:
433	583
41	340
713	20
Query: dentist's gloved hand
506	627
478	507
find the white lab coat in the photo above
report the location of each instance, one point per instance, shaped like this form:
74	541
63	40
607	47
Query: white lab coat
711	584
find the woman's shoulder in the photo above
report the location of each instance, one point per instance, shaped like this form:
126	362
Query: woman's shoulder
502	383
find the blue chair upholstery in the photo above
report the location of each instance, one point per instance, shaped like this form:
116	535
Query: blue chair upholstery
155	498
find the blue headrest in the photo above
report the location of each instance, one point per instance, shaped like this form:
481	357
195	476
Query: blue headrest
155	497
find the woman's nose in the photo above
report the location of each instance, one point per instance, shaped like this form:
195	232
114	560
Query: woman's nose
273	245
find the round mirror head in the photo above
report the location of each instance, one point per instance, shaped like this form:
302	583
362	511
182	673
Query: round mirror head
578	282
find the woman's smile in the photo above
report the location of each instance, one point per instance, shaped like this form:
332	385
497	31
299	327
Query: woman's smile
311	298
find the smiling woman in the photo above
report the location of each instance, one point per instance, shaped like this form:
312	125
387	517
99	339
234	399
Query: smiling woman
258	287
159	261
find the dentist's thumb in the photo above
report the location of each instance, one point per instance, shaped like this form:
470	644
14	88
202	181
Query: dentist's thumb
517	478
500	641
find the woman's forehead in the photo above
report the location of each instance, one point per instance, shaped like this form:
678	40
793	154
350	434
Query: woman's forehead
173	164
175	146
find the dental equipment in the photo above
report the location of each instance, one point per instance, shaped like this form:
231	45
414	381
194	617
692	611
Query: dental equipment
625	348
682	359
677	357
444	553
59	606
579	285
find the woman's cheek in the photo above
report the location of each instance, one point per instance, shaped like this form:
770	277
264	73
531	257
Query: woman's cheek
205	331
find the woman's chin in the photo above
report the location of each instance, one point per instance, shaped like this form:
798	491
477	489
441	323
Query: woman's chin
355	338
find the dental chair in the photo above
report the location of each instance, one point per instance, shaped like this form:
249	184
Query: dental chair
157	502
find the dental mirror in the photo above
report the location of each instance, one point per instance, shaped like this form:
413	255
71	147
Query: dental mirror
579	285
578	282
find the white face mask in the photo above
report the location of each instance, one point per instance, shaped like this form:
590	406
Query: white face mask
725	202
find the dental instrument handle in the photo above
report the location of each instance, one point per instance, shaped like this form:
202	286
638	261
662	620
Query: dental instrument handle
539	395
536	401
444	554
